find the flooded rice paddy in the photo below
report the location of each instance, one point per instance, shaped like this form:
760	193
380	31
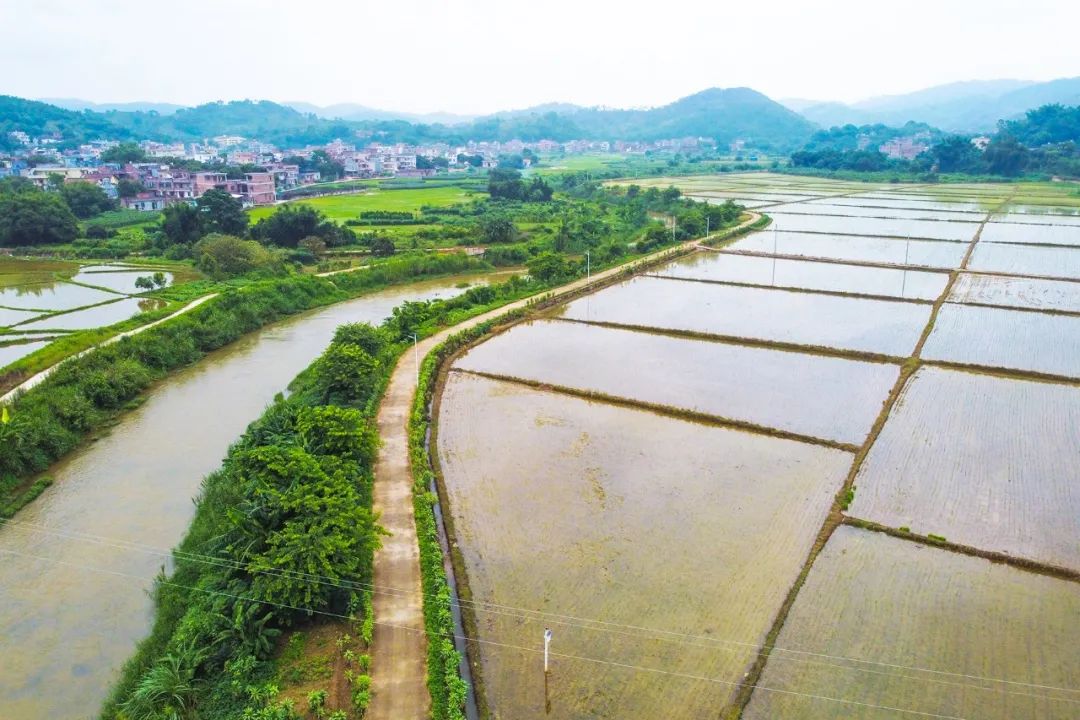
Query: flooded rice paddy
569	507
1043	260
52	297
824	397
983	461
855	248
856	324
928	229
66	623
1000	338
829	277
894	629
60	295
546	489
1016	292
94	317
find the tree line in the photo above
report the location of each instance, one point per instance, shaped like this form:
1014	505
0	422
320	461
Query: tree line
1045	142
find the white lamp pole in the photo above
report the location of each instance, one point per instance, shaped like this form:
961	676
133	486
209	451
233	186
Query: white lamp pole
547	645
416	358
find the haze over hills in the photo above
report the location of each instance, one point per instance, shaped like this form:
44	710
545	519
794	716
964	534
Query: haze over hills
971	106
722	114
79	105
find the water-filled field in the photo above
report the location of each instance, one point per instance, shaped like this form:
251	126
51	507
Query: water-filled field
52	296
1016	292
855	248
897	213
983	461
929	229
1001	338
892	202
1044	260
1031	234
96	316
578	485
824	397
886	628
576	508
856	324
830	277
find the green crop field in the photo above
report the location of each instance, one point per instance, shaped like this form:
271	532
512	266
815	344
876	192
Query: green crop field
346	207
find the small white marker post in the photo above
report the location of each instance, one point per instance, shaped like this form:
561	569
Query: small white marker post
547	644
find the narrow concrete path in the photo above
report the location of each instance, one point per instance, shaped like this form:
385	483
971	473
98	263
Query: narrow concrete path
399	651
39	377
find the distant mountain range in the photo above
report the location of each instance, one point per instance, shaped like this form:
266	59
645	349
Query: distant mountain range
360	113
973	106
722	114
79	105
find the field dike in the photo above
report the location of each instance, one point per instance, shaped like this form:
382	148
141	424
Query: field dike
836	515
1055	571
824	350
666	410
445	579
797	289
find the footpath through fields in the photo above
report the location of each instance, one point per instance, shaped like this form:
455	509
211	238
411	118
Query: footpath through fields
38	378
399	648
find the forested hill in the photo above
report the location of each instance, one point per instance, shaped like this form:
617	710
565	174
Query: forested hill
722	114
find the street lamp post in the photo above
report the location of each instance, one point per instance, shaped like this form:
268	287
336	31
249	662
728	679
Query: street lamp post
416	358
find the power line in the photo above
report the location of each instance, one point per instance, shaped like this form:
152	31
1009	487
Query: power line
573	621
582	658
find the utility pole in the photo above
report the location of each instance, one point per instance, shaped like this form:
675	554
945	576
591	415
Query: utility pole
547	645
588	268
707	219
416	359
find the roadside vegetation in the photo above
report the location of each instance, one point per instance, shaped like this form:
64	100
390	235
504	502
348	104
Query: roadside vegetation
586	227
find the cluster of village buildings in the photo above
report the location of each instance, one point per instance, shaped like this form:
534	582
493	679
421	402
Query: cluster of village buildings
162	183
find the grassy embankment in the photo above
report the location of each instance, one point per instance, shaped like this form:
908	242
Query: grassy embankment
297	657
87	392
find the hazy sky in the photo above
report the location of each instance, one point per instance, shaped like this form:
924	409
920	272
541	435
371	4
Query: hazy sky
475	56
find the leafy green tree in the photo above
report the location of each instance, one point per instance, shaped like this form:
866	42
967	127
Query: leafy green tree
548	267
374	340
307	522
338	432
222	213
538	191
127	188
1005	156
289	225
223	256
382	246
957	154
346	374
182	224
123	153
35	218
505	184
86	199
497	229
